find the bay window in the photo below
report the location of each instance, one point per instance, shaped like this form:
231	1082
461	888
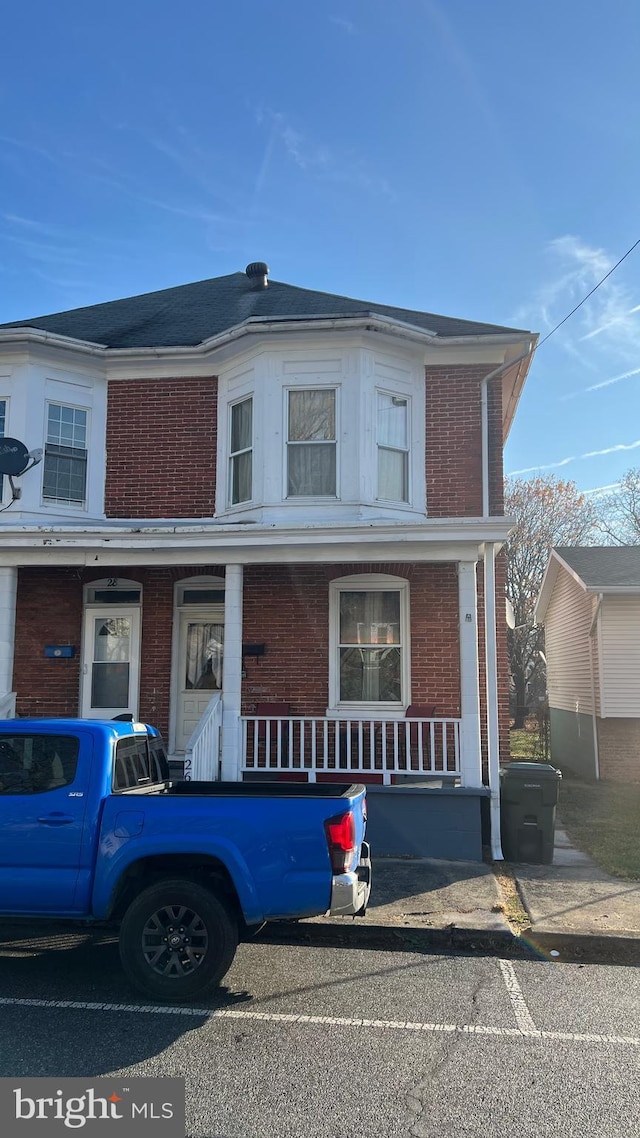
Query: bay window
311	444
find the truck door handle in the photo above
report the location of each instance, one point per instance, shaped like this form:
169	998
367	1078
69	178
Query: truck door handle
57	819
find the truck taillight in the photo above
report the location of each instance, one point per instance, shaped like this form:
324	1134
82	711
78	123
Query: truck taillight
341	840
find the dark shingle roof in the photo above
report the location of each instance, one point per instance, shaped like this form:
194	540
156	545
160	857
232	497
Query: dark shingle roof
604	566
191	313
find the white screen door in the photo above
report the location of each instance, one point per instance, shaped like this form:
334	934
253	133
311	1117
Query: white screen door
199	670
111	662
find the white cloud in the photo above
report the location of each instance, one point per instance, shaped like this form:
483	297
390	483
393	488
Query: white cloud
603	383
318	159
606	329
346	25
575	458
602	489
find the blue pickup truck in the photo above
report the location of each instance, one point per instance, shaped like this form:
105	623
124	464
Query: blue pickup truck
92	828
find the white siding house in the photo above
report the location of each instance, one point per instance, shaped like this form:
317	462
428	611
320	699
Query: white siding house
589	604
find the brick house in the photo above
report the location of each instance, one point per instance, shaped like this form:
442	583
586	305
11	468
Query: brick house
264	516
589	604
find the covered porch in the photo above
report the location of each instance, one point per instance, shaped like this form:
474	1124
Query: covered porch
407	704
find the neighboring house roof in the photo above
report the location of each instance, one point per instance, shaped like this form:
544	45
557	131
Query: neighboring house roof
192	313
597	568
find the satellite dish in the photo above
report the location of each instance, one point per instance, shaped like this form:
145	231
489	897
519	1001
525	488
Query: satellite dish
511	616
14	456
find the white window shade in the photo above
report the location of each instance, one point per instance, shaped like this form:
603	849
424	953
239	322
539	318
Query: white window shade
393	447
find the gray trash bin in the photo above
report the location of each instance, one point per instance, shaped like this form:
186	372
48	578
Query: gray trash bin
528	800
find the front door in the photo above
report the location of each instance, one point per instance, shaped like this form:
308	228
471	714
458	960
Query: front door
111	662
201	639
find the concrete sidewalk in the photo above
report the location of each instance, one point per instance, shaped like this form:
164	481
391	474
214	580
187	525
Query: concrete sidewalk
572	906
574	896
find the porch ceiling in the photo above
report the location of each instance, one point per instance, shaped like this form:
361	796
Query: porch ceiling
170	543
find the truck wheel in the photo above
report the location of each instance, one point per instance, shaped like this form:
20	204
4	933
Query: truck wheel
177	940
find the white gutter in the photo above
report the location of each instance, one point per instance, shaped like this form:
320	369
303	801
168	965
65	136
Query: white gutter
484	405
592	631
491	680
491	651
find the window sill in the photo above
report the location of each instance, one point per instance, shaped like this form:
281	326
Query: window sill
366	712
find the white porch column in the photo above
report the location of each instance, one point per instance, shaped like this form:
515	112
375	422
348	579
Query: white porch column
232	674
493	738
470	744
8	590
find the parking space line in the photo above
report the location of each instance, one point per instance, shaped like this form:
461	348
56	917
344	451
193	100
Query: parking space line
337	1021
523	1016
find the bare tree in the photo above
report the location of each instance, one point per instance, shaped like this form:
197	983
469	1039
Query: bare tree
547	512
619	513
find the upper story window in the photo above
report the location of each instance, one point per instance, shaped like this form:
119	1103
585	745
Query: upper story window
3	421
65	455
311	443
393	447
241	452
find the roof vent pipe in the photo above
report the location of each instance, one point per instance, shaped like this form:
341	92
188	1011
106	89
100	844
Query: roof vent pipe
257	273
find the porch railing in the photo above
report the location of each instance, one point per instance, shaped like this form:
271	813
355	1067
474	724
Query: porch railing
385	749
202	752
8	705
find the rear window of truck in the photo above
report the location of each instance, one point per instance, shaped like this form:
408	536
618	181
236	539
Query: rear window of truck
140	761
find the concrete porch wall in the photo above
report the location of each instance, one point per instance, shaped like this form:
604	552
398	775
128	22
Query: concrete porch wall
426	821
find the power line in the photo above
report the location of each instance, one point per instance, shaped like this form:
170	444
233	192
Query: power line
585	298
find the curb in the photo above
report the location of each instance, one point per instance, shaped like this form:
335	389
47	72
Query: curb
528	944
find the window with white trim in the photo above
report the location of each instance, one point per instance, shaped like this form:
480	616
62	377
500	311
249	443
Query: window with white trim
3	423
64	477
369	643
393	447
241	452
311	443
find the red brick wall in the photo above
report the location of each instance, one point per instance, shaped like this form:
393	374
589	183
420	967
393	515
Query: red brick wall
48	611
163	463
619	749
287	608
161	448
454	442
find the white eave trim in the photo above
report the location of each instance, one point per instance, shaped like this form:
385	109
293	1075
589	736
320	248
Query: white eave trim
365	321
447	539
28	335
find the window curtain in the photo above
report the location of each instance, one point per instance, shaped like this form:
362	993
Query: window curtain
204	656
312	448
370	652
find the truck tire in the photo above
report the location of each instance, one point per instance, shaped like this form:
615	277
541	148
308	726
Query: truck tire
177	940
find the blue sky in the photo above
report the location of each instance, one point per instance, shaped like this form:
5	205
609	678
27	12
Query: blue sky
478	159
